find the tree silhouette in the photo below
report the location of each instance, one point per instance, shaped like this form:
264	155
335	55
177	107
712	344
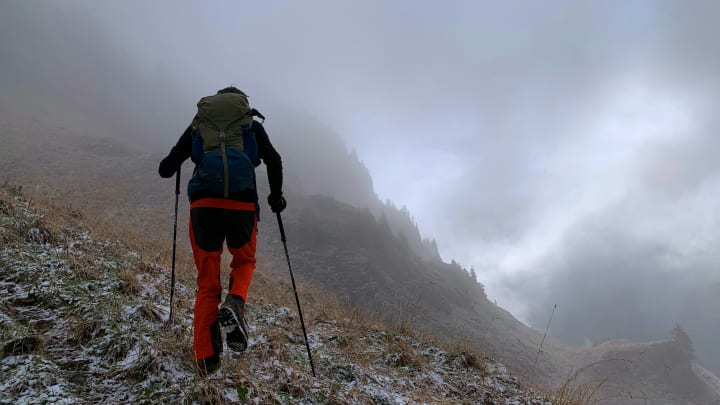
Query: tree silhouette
683	339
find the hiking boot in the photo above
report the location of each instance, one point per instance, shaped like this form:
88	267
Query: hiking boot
208	365
232	318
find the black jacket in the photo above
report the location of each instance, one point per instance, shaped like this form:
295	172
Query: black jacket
267	153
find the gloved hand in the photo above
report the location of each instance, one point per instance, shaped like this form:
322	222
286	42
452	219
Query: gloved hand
277	202
168	166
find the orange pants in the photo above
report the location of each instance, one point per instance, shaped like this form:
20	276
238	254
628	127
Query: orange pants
213	222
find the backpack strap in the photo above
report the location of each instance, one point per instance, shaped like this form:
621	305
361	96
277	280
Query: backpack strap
226	169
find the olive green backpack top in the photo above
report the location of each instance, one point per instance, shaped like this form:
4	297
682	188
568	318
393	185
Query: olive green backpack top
223	116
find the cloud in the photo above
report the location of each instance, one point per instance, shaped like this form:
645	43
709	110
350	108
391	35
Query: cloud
613	282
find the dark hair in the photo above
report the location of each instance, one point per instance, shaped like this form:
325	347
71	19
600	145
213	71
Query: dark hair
231	89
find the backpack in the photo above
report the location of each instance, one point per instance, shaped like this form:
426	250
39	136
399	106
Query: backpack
224	148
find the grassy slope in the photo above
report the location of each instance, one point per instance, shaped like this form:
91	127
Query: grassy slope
333	245
83	320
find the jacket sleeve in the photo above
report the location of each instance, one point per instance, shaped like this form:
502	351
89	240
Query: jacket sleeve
178	154
270	157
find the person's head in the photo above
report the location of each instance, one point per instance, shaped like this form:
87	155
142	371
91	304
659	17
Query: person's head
231	89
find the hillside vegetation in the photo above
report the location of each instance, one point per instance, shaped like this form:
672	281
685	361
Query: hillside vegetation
84	320
337	247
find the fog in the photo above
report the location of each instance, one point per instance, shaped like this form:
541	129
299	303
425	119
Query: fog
565	150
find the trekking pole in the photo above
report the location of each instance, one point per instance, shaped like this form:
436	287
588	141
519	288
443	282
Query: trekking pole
172	276
532	372
297	300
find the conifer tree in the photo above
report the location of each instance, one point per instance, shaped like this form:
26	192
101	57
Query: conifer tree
683	339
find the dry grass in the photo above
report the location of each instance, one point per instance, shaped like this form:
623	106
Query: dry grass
577	390
25	344
84	330
388	338
129	282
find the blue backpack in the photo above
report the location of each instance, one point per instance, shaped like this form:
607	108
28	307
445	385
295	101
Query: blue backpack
224	148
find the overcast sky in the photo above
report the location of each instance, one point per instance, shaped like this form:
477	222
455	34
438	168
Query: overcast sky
564	149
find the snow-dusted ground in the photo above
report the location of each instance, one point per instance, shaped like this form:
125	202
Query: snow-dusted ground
83	321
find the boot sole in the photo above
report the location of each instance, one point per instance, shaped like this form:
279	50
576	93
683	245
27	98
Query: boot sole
236	337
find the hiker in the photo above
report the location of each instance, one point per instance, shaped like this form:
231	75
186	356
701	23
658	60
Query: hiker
226	143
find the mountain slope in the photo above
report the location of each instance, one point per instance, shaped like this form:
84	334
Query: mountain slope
335	246
83	321
338	247
347	251
628	373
